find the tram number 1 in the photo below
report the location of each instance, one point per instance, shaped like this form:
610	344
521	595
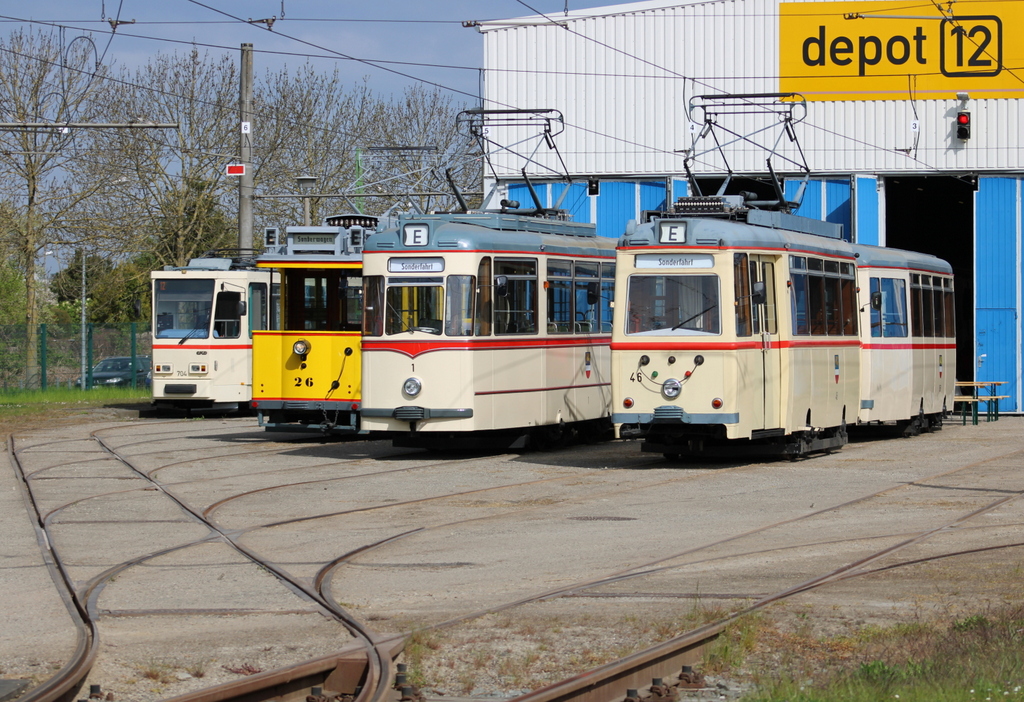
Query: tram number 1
299	382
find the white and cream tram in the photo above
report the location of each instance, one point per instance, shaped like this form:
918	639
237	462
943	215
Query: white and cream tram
742	330
486	329
204	316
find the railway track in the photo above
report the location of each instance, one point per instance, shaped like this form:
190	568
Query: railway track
342	672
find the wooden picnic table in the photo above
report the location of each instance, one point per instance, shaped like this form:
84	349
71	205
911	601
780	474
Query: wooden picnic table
967	393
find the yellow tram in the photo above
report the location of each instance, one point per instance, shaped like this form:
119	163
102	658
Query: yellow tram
307	373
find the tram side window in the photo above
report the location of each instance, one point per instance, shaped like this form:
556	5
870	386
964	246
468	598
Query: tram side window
824	297
798	276
373	310
607	296
741	275
891	319
586	292
227	315
916	306
484	298
350	304
515	312
458	312
770	315
275	306
258	307
937	311
947	296
560	296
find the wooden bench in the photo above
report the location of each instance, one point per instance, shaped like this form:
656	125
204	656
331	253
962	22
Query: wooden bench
991	407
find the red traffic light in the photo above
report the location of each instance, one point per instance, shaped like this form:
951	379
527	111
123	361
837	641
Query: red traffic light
963	125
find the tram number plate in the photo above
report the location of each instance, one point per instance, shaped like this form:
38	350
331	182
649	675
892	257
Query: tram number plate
299	382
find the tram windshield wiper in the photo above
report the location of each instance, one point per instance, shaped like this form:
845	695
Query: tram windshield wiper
194	330
693	317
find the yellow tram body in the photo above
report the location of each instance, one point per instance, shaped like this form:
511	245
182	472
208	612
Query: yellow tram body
307	370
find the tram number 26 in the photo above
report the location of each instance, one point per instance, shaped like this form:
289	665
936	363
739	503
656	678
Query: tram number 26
299	382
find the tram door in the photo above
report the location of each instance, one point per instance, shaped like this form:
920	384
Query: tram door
765	325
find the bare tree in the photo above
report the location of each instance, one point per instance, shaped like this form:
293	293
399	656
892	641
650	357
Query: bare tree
45	82
308	124
165	191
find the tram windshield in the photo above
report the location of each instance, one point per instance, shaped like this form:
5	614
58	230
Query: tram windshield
183	308
415	305
673	305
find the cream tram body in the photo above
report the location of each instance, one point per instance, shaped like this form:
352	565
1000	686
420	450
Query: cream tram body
731	333
204	316
485	322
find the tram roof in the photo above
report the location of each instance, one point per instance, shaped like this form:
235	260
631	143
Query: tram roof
717	232
505	232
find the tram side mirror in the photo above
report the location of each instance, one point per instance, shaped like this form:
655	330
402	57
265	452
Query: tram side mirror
241	308
592	294
759	296
876	300
501	285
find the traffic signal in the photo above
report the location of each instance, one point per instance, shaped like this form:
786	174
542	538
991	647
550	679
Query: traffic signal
963	125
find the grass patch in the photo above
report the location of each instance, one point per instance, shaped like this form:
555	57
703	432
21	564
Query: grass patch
29	409
975	658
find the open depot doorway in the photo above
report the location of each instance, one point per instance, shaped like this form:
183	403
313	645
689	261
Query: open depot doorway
935	215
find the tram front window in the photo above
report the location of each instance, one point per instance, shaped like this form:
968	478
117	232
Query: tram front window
182	308
418	305
673	305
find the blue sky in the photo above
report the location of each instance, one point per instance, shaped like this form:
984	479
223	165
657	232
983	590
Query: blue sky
425	37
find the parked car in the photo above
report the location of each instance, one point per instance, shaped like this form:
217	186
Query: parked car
116	372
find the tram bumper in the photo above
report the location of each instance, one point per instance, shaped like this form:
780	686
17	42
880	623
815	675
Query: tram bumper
415	414
670	415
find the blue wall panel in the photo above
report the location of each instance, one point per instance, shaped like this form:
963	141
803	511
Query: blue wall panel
652	196
995	285
577	202
866	194
810	206
837	205
616	205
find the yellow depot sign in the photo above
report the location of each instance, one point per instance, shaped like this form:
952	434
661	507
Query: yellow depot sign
901	50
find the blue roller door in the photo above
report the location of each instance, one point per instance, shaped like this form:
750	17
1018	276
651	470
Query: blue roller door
997	267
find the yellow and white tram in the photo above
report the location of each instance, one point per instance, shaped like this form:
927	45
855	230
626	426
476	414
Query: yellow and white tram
204	316
742	330
306	370
486	329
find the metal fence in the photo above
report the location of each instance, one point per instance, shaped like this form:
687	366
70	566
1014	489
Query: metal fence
58	357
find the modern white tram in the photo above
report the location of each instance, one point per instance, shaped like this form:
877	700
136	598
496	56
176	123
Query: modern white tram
740	330
486	329
204	315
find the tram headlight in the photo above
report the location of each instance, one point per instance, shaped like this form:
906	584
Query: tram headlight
300	347
671	388
412	387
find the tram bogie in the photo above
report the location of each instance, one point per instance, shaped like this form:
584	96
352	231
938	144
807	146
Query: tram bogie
486	329
308	372
204	316
761	332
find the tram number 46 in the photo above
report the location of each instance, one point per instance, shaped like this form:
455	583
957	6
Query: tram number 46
299	382
972	46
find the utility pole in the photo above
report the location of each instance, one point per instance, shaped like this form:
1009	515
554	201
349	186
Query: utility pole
245	182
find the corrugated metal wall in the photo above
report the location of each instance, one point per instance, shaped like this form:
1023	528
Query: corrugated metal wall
623	83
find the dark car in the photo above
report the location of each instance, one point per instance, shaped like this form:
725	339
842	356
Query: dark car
116	372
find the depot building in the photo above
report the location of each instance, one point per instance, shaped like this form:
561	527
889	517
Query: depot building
900	122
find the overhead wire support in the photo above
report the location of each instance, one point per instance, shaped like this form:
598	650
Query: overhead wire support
788	108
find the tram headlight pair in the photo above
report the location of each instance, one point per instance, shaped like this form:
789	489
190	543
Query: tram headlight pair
412	387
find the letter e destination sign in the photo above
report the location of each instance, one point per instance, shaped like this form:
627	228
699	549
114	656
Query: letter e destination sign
866	50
